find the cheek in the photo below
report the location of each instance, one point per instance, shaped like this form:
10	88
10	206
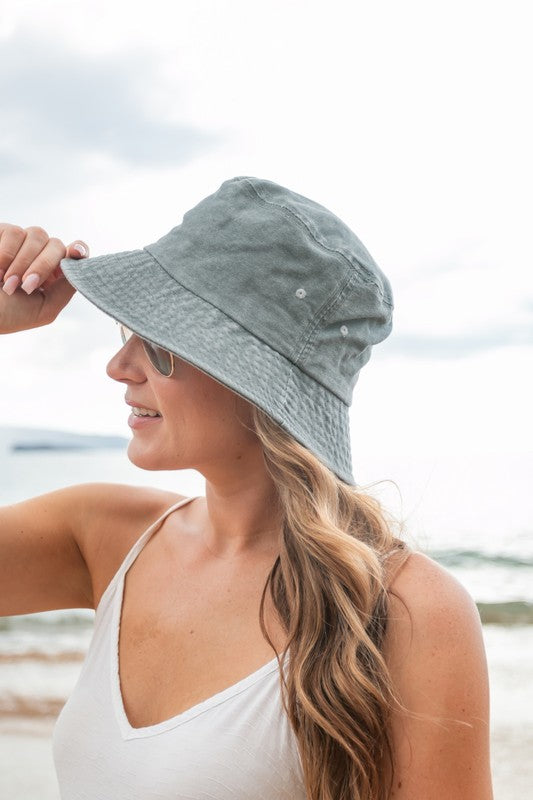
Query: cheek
197	408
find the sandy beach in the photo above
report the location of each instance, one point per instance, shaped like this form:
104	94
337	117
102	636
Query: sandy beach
27	770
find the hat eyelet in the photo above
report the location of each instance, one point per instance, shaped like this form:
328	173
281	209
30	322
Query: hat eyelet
344	330
300	293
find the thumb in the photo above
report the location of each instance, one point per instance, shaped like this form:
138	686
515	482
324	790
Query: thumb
56	297
77	249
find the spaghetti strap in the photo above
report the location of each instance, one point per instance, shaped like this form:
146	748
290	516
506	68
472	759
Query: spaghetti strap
99	754
136	549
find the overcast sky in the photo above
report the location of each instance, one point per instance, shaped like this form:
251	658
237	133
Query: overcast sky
411	121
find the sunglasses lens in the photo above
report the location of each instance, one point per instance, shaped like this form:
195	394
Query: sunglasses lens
159	358
125	333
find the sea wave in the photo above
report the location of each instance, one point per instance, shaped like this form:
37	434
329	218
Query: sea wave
14	705
63	618
470	558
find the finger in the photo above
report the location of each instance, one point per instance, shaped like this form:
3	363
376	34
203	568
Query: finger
12	238
34	241
43	266
72	252
56	298
57	273
78	249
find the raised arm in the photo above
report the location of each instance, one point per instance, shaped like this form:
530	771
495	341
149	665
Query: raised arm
33	287
41	566
61	549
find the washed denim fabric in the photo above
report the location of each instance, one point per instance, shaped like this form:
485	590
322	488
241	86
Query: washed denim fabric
266	291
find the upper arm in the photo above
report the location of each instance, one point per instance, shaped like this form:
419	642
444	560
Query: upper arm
110	519
41	566
60	549
435	652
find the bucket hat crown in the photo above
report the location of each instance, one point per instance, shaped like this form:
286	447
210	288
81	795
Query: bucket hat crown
266	291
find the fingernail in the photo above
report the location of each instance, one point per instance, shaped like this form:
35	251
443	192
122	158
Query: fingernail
11	284
30	283
80	248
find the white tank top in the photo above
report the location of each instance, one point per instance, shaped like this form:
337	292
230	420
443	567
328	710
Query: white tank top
236	745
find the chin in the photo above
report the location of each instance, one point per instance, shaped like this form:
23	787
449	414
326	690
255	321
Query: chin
144	459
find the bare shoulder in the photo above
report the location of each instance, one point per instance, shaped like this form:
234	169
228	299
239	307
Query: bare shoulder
433	620
424	593
435	653
122	499
109	518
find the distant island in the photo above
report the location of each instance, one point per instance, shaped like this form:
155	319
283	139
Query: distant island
25	440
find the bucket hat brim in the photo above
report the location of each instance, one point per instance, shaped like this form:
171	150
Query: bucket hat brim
134	289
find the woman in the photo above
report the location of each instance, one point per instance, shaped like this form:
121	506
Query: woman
244	330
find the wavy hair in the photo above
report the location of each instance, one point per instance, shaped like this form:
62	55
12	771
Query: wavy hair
329	588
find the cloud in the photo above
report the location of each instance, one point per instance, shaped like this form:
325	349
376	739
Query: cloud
60	104
462	307
460	345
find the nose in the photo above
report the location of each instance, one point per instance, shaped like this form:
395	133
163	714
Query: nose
127	365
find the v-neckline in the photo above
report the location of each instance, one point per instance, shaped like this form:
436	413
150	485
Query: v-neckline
127	730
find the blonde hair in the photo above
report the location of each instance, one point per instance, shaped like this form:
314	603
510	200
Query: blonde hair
329	588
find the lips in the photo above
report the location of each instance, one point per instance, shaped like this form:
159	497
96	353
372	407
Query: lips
136	422
142	416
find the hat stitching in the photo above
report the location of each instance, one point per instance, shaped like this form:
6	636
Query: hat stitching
338	297
280	406
306	333
290	359
307	338
344	456
204	300
282	398
366	276
330	303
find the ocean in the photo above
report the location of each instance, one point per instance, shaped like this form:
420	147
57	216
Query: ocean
472	514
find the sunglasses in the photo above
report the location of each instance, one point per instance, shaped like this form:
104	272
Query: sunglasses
160	359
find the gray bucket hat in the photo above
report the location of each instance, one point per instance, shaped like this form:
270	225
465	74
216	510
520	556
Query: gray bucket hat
267	292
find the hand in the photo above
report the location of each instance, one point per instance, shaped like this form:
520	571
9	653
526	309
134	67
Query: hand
28	302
